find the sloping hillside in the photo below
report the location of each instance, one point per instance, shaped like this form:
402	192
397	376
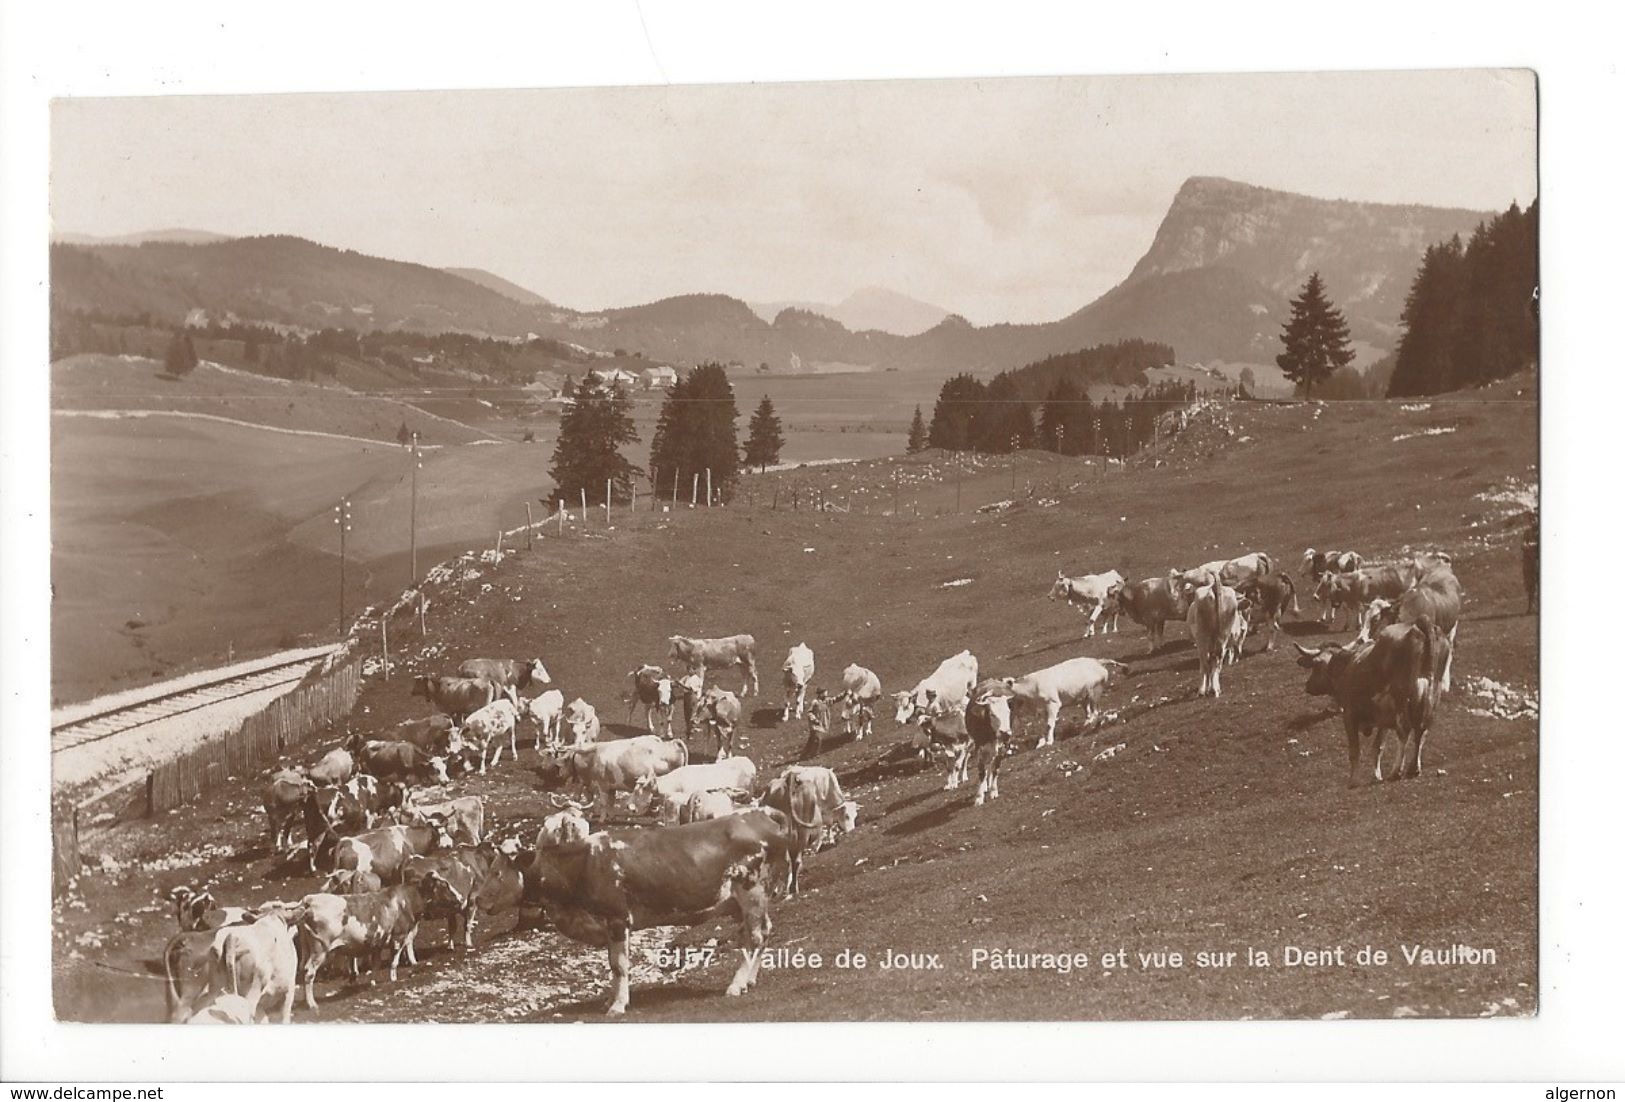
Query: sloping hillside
506	287
1178	825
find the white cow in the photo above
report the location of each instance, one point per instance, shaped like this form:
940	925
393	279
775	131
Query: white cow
547	713
860	689
668	793
798	674
1211	618
492	724
945	691
564	827
1093	595
1077	680
1236	572
582	720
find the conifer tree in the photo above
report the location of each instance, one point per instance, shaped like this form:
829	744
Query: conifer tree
766	438
180	358
1316	338
588	453
697	432
917	439
959	403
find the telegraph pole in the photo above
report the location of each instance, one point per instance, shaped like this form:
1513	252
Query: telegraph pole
417	462
341	517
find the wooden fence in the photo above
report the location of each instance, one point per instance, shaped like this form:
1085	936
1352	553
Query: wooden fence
64	845
324	697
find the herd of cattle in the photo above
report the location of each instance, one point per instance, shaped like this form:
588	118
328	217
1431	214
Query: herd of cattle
399	849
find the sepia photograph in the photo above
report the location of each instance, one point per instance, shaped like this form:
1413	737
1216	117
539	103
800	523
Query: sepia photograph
1057	549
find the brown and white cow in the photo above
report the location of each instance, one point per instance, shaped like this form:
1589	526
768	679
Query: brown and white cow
335	767
1094	595
1269	597
284	803
600	890
402	760
1351	592
656	692
384	850
475	878
709	805
1436	596
1235	573
490	727
464	816
259	961
581	720
699	655
605	768
666	794
719	711
1151	603
362	924
799	668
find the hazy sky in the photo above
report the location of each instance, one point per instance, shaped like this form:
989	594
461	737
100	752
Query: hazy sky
1004	200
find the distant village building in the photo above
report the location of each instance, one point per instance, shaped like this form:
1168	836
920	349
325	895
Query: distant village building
616	377
661	376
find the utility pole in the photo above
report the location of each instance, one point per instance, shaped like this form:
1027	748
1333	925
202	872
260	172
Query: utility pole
959	482
341	517
417	462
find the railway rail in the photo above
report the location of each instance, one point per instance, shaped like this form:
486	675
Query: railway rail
115	721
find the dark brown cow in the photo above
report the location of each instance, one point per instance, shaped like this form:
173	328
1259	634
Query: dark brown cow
1391	683
434	735
1270	596
600	890
1436	596
1151	604
402	759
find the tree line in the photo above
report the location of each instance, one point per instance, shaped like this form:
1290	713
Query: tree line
695	442
1472	314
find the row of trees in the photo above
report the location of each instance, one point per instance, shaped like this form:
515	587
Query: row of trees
996	417
1472	314
695	435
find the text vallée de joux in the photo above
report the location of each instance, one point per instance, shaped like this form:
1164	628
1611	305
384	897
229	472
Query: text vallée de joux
982	959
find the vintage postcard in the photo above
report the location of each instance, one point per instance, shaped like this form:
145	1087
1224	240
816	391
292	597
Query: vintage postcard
1015	549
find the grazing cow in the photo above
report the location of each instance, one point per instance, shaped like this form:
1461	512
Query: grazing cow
258	961
818	721
599	890
581	719
384	851
1351	592
1531	564
798	674
1211	618
1077	680
987	721
336	767
435	735
515	673
464	816
188	966
700	655
196	910
471	875
1391	683
1268	597
1151	603
547	713
564	827
457	697
860	690
667	793
225	1010
362	924
333	813
490	726
1092	595
708	805
1236	572
1236	641
719	710
1436	596
1320	567
402	759
810	797
284	801
655	691
606	768
352	882
945	691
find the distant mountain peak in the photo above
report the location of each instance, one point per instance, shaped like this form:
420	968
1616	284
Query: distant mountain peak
869	307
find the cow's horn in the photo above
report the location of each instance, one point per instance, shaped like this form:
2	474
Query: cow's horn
1305	651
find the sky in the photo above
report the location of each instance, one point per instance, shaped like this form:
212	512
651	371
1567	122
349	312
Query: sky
1003	200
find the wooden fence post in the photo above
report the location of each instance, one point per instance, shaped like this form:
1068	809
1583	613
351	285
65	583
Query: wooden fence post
583	507
530	524
694	494
383	629
609	489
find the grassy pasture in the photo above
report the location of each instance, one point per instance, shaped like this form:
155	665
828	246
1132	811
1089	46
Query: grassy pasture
1184	825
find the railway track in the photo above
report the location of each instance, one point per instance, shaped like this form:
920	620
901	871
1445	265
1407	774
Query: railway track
116	721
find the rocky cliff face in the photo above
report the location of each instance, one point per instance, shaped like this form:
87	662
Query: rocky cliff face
1366	252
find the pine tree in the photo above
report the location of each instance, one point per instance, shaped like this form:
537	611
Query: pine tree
958	405
1316	338
917	441
1065	420
766	438
588	453
1005	420
569	388
1422	363
697	432
180	358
